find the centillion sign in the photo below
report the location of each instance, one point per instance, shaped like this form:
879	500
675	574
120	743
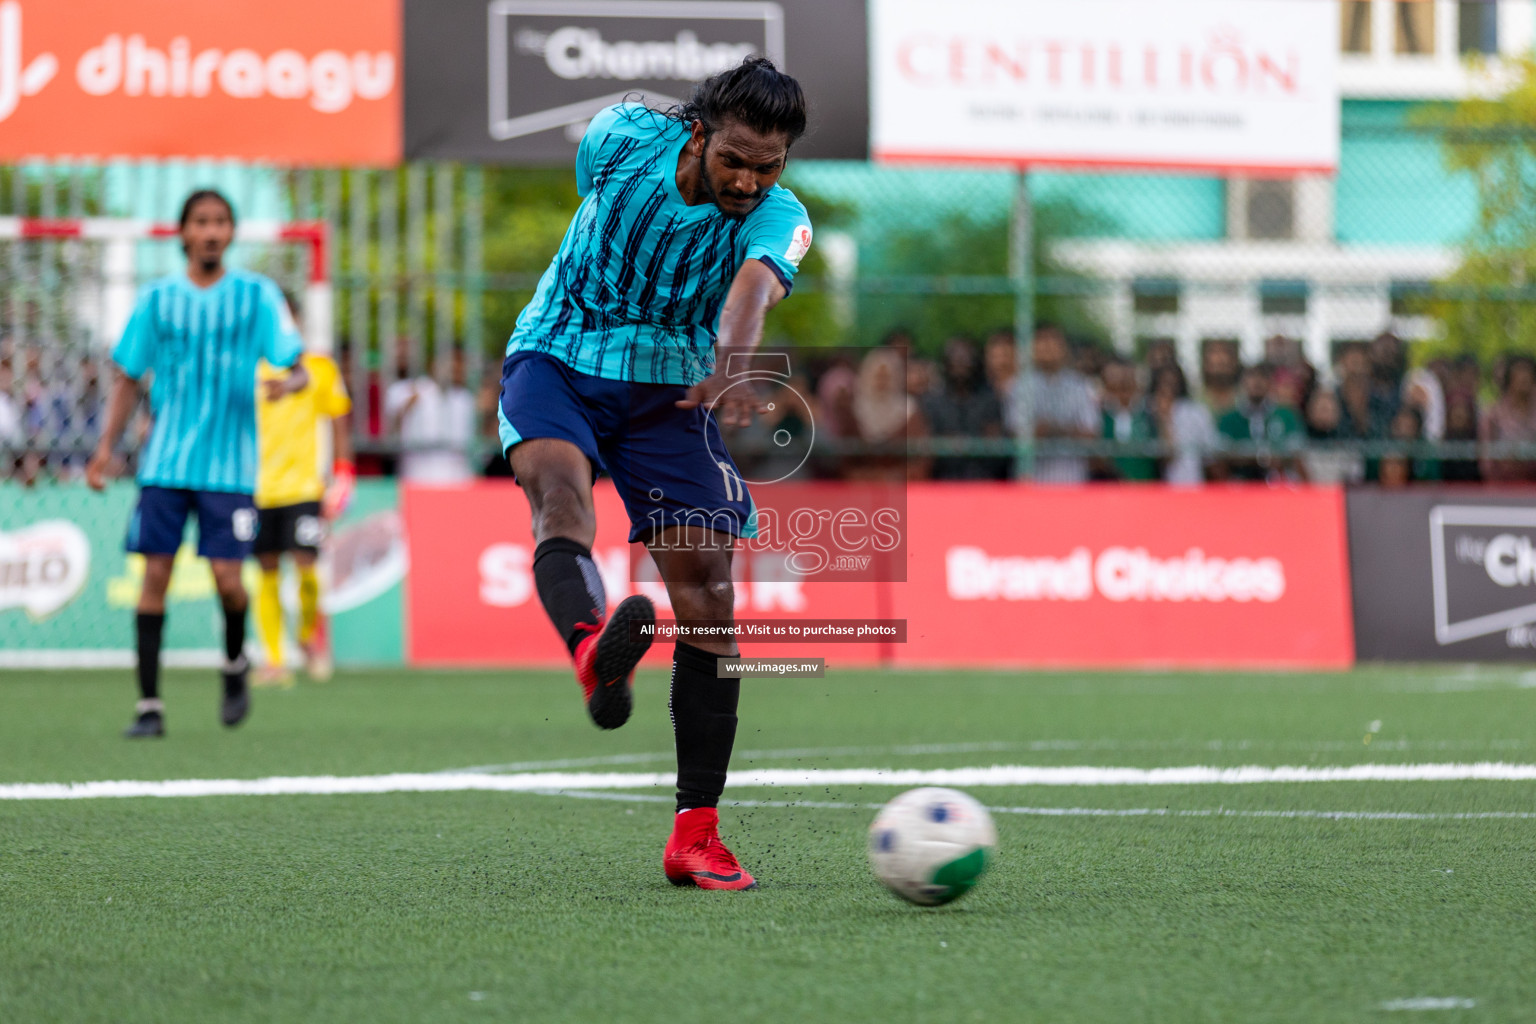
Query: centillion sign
1193	84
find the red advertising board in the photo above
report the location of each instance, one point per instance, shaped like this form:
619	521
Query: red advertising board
1033	576
470	597
1126	576
290	81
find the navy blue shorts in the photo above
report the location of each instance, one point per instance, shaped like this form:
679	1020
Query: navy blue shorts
226	523
668	464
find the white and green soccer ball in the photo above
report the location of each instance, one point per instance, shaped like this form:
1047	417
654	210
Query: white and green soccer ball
929	846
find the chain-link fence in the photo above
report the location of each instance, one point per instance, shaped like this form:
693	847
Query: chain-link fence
1369	325
1375	325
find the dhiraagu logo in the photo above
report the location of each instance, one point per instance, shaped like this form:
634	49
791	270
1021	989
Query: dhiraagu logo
43	566
18	79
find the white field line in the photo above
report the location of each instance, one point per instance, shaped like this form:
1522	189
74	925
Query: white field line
996	775
1430	1003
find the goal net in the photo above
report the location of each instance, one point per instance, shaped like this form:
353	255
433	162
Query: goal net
67	288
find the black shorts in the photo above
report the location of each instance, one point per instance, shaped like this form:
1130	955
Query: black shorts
289	528
226	522
670	465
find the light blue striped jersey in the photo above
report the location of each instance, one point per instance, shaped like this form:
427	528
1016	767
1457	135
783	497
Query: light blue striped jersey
636	289
203	345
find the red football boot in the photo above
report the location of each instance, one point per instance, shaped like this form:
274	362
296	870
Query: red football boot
696	856
606	660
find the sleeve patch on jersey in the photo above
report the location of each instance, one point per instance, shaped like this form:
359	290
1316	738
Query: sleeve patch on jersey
799	245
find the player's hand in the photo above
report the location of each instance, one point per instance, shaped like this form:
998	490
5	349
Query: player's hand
98	469
277	387
292	382
733	404
338	496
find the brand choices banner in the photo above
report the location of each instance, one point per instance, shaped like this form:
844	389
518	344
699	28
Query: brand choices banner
1218	84
1443	574
516	81
1034	576
1126	576
290	80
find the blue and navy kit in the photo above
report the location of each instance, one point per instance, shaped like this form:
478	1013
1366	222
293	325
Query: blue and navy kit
625	320
636	289
202	345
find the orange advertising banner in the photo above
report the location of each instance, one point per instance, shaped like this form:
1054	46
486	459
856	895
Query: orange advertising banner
289	81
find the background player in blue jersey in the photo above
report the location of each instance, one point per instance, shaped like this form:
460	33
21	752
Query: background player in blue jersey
201	335
683	242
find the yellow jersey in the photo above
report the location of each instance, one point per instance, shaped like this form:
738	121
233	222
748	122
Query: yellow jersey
288	433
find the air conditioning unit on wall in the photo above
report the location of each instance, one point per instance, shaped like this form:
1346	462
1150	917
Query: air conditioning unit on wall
1280	209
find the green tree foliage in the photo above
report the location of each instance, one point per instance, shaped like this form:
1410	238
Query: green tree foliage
819	314
938	281
526	213
1488	303
951	277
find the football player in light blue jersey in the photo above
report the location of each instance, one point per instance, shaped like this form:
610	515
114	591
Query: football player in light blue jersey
683	242
201	335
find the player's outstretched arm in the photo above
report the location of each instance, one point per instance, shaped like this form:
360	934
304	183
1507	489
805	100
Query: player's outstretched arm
753	293
120	406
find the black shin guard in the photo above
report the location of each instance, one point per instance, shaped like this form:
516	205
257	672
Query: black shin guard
234	647
704	725
234	632
569	587
149	629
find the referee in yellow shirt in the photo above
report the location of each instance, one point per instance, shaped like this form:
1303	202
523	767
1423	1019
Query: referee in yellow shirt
293	506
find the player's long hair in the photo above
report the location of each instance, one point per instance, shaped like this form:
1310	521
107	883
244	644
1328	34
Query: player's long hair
754	93
199	196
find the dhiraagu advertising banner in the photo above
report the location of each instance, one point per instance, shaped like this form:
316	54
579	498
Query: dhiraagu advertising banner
68	590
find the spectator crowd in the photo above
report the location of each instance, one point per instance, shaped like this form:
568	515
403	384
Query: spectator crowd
889	412
1098	416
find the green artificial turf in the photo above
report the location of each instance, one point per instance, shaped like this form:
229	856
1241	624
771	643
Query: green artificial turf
518	906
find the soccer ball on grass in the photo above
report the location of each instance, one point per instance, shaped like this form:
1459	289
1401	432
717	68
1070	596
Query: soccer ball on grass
930	845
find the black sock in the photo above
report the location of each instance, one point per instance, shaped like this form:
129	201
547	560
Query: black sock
149	628
234	633
703	724
569	586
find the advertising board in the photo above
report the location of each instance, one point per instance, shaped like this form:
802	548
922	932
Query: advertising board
287	81
471	600
1037	576
516	81
68	589
1443	574
1247	86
